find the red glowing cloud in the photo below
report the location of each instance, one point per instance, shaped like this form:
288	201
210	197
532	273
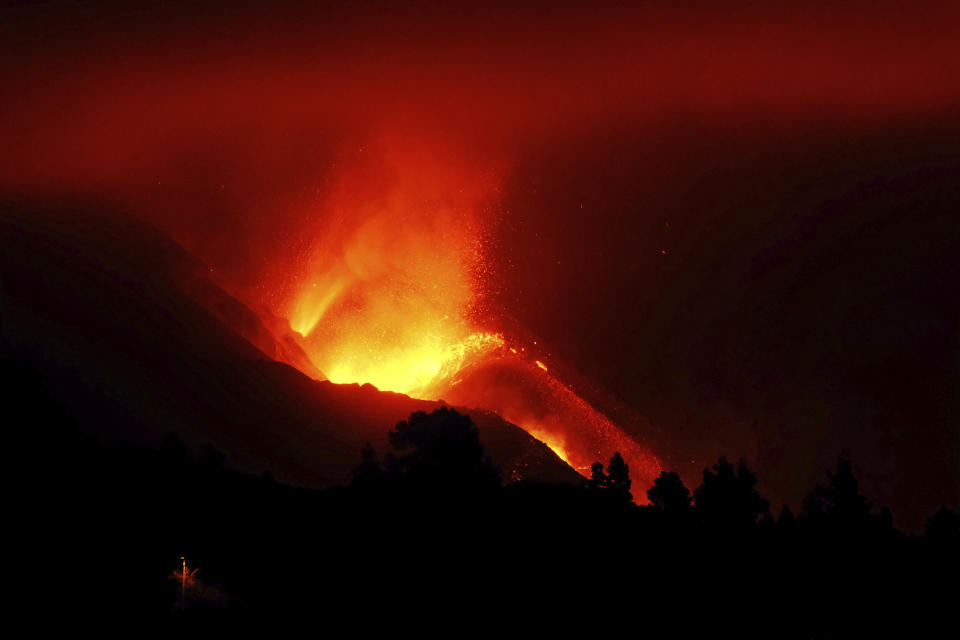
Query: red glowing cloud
342	167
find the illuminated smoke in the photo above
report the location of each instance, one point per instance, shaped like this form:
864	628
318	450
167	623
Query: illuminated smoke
388	291
391	293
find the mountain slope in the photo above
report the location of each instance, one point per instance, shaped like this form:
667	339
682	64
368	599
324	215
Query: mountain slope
138	344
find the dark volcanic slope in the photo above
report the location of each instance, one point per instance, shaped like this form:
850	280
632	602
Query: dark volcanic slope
138	344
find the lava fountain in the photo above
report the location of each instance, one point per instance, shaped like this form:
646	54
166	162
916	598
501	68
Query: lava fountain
391	293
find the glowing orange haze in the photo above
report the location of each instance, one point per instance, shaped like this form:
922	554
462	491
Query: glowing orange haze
390	285
213	124
392	293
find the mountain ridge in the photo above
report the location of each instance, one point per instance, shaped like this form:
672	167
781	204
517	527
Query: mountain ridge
96	299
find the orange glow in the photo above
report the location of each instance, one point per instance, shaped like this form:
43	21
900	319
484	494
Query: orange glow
413	367
314	302
391	293
553	440
390	285
553	413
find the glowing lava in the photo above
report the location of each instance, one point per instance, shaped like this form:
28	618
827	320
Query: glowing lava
553	440
415	367
391	294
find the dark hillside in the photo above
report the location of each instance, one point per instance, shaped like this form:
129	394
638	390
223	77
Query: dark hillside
113	314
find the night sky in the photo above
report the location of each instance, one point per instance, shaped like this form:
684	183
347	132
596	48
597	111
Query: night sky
733	231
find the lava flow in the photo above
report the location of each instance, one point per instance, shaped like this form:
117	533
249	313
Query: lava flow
391	294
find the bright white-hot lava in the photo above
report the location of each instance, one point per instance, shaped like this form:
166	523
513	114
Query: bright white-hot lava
391	294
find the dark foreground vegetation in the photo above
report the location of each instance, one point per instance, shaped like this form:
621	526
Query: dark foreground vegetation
428	539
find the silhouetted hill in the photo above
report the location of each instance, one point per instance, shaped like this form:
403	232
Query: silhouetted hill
138	343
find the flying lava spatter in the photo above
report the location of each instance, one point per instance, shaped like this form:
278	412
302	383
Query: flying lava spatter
391	294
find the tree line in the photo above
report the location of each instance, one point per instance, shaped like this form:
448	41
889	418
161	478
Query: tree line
429	532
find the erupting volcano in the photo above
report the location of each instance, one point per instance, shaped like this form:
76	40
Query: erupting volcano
391	292
390	289
673	232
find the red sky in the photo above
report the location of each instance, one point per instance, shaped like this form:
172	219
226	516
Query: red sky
592	129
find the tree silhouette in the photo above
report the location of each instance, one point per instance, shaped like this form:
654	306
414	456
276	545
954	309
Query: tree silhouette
668	493
787	521
840	506
440	451
598	479
616	479
943	528
618	473
728	497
